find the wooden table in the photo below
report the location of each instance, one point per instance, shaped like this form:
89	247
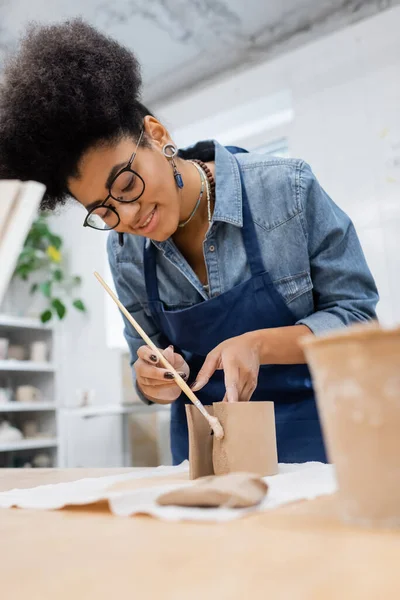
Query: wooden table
298	552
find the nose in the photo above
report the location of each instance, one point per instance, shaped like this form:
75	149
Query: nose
128	213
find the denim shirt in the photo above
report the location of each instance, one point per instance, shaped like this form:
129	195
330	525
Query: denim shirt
308	244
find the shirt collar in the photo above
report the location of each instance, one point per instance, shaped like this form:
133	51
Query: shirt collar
228	192
228	189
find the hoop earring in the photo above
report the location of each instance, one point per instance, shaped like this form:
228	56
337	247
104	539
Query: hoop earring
170	151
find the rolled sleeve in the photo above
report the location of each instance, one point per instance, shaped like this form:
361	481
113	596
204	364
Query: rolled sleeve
343	287
322	322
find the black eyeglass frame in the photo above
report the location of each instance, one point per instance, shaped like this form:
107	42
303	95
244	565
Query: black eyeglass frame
103	204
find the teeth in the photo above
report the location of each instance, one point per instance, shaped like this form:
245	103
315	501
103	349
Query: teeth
147	221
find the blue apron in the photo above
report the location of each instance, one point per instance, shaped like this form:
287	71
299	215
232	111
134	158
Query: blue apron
195	331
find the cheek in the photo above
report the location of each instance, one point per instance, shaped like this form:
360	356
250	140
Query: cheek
161	187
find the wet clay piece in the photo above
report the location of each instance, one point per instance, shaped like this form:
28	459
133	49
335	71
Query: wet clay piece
357	379
237	490
248	445
200	442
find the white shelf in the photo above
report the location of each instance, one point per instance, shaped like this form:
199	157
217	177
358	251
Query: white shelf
115	409
27	406
29	444
46	412
26	366
22	323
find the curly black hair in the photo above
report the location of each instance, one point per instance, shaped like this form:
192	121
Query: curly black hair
67	89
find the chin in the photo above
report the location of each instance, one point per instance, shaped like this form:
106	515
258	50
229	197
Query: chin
164	233
159	236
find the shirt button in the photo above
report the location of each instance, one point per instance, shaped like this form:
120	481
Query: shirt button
211	248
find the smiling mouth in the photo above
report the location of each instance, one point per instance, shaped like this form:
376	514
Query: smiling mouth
148	220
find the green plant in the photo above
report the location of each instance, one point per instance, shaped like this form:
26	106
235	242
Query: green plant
42	255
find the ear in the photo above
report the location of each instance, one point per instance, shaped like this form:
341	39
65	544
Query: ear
156	132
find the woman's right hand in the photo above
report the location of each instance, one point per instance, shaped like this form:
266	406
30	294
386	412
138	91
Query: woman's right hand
156	382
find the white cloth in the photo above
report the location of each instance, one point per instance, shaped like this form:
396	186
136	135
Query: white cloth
293	482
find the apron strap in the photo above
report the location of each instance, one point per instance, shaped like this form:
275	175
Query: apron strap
150	271
250	241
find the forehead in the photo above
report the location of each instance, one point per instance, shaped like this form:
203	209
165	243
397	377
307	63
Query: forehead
94	169
105	157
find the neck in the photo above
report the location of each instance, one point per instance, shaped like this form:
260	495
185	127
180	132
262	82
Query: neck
190	194
190	238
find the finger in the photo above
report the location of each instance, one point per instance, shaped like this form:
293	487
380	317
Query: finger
232	381
175	360
248	388
232	393
145	382
147	354
209	367
168	353
162	395
179	361
143	369
244	394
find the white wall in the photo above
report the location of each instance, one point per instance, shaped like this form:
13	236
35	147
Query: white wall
85	352
85	361
345	94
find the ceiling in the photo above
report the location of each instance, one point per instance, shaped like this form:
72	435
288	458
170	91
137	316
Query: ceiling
181	43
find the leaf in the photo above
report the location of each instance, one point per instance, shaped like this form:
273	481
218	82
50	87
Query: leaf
26	254
23	271
55	241
79	305
37	232
40	228
46	316
45	288
77	280
34	288
28	264
58	275
59	307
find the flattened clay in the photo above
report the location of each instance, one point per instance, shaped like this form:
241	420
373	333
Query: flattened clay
237	490
200	442
249	442
357	379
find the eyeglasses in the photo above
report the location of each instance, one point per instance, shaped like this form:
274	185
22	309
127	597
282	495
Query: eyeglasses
127	186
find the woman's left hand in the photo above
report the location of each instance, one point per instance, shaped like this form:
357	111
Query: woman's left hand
239	357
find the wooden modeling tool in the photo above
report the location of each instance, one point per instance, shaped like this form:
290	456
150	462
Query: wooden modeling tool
213	421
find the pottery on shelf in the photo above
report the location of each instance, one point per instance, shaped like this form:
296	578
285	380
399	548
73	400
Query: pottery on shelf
30	429
9	433
16	352
41	461
27	393
39	351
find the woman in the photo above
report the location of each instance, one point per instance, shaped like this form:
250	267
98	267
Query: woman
226	258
